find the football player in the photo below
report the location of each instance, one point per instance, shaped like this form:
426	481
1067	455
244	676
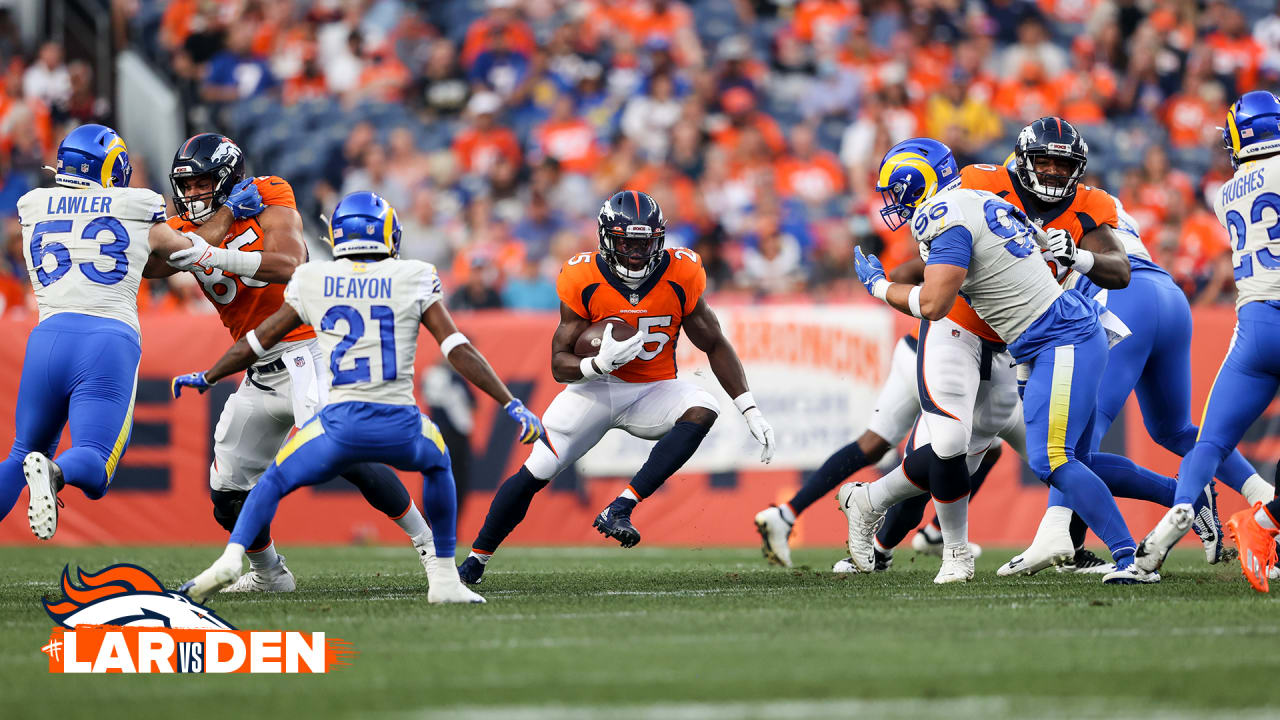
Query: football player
242	272
1103	257
1248	206
630	384
976	242
86	241
368	306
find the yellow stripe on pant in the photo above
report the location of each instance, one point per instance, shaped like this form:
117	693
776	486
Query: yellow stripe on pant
432	433
122	438
1204	412
309	432
1064	361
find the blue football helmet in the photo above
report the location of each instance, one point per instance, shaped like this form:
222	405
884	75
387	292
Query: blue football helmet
93	156
911	172
1253	126
364	223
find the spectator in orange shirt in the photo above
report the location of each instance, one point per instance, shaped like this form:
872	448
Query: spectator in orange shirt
823	22
808	172
1088	89
1192	114
665	21
1161	188
1029	95
567	138
384	77
479	147
1236	55
739	105
504	18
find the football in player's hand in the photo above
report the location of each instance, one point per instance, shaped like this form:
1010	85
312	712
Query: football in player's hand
588	343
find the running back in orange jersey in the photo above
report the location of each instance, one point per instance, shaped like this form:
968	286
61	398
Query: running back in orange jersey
656	307
243	303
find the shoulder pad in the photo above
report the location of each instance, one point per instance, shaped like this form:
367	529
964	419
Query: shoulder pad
937	214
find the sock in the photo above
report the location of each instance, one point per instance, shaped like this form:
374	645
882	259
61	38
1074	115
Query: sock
380	486
978	477
1055	523
84	468
482	558
901	519
1077	528
258	509
263	560
834	471
412	522
1235	471
672	451
629	494
1088	495
1257	490
953	517
1263	516
508	508
440	500
788	513
892	489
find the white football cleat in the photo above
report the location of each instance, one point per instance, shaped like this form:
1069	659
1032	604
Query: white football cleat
854	501
1086	562
1038	557
774	531
43	482
277	579
957	566
444	585
844	566
928	541
1131	575
1155	546
224	571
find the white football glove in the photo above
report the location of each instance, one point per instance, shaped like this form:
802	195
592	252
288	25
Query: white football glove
616	353
1061	246
762	431
188	259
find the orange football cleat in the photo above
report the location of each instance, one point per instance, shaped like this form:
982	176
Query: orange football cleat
1257	546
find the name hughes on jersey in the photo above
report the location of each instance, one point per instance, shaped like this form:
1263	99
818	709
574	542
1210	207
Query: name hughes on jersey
357	287
1243	185
66	204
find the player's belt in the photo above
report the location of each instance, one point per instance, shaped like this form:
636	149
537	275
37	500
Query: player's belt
274	366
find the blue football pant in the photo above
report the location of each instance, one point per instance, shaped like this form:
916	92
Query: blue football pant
343	434
1059	406
82	371
1244	387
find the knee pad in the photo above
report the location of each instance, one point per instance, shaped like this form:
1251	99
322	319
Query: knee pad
948	436
226	506
542	463
949	479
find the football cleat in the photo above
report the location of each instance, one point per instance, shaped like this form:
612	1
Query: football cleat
844	566
1155	547
774	531
884	561
1086	562
957	566
615	522
44	480
928	540
855	503
471	571
278	579
224	571
1131	575
1208	527
1053	551
1257	547
444	585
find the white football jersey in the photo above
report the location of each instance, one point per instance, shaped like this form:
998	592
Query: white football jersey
1008	284
1130	234
85	249
366	316
1248	206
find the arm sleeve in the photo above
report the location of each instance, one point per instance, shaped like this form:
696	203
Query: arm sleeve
953	246
429	291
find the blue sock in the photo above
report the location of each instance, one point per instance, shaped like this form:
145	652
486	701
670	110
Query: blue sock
901	519
508	508
1088	495
84	468
1234	470
837	468
440	505
1198	468
12	481
1127	479
667	456
259	508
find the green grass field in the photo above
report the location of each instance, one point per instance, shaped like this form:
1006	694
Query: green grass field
671	633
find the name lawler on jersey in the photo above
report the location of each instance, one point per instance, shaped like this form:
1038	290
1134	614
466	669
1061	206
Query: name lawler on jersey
69	204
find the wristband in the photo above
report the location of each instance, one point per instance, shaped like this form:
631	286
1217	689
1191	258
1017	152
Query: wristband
588	367
744	402
453	341
913	302
255	345
880	288
1084	262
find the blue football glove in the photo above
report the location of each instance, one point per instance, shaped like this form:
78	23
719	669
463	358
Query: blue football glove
869	269
245	200
531	429
192	380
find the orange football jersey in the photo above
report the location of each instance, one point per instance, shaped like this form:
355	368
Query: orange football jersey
1089	209
656	307
243	303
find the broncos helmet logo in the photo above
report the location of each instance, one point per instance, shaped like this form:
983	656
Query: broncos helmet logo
226	149
127	596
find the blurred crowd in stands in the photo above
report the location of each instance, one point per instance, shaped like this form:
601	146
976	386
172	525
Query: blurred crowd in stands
496	127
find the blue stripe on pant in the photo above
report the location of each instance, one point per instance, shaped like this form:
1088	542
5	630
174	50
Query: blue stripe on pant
346	433
1058	406
82	371
1244	387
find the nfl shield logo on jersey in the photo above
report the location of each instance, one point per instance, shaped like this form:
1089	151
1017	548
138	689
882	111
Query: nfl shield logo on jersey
300	361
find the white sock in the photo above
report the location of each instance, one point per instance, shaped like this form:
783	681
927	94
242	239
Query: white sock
1264	519
1257	490
265	559
484	559
787	513
424	538
629	495
1056	523
412	522
891	490
954	519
